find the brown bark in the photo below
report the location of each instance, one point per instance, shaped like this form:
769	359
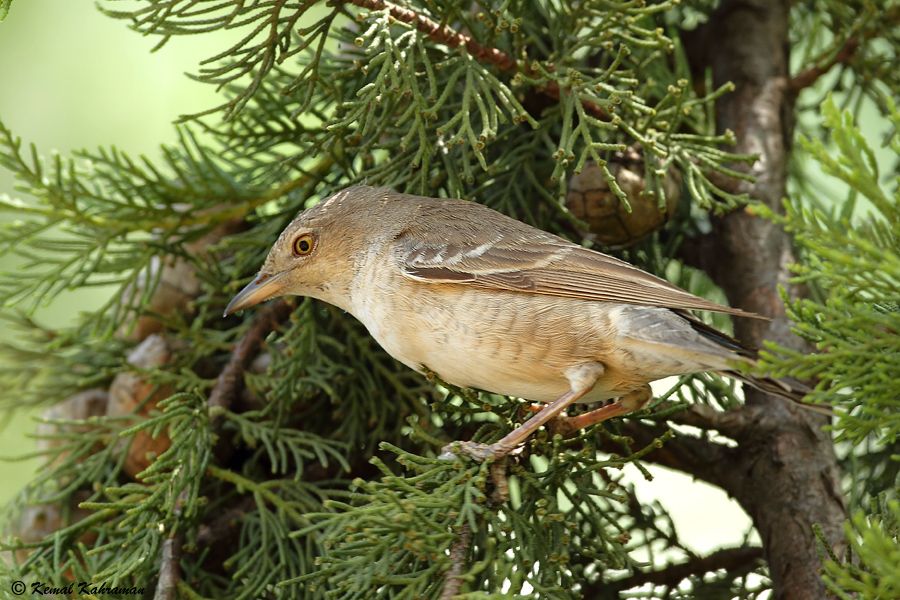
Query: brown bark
231	379
784	472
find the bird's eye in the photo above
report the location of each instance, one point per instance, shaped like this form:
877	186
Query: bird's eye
304	244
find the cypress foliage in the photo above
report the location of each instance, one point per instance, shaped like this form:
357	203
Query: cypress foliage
851	257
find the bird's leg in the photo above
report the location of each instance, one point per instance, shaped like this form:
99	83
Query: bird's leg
581	381
630	402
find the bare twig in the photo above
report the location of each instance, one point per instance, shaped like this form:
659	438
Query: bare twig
169	570
729	559
809	76
732	423
701	458
453	579
445	34
501	483
228	386
845	54
224	524
169	567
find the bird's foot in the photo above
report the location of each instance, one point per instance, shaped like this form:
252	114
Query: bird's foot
568	426
630	402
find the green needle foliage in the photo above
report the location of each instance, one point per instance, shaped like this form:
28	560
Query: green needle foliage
853	263
281	453
855	266
873	541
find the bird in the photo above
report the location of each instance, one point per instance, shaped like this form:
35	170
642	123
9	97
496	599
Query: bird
482	300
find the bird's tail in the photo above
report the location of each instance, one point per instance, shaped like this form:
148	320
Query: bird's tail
789	389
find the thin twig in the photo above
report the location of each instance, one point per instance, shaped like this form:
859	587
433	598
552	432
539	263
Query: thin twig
231	379
732	423
169	562
169	569
501	483
445	34
845	54
224	524
809	76
700	458
453	580
729	559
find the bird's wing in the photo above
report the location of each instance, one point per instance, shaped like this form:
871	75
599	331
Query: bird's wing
479	247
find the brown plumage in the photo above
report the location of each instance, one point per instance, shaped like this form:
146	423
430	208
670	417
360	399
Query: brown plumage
464	242
486	301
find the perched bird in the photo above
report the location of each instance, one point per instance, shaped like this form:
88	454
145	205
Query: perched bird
489	302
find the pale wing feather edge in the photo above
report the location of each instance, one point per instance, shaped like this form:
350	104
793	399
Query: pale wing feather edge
520	258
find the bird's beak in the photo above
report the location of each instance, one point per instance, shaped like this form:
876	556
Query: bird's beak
262	288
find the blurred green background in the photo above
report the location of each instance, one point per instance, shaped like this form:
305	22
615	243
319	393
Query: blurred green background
70	78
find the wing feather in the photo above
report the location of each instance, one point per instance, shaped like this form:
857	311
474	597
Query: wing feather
480	247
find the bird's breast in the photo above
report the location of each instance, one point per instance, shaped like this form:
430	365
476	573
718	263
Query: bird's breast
503	342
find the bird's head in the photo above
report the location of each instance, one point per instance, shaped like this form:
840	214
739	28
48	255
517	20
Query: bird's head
318	252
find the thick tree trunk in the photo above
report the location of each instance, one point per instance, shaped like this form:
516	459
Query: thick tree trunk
784	473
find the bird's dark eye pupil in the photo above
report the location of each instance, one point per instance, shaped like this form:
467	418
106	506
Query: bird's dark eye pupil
303	246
